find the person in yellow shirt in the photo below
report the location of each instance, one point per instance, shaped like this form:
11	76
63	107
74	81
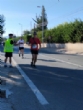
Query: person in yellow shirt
8	49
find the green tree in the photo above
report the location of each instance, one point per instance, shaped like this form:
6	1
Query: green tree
2	20
26	32
38	21
64	33
26	35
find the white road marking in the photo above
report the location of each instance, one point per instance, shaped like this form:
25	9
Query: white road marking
62	61
38	94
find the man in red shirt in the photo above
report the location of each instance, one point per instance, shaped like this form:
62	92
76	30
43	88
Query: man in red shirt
34	41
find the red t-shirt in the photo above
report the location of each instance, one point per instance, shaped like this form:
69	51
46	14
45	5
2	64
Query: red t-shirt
34	43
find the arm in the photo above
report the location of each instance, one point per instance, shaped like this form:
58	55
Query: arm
40	46
39	43
12	42
17	43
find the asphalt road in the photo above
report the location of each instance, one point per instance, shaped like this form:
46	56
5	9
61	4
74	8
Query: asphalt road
58	77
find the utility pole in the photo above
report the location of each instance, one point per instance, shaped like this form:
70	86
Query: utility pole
43	21
42	24
34	27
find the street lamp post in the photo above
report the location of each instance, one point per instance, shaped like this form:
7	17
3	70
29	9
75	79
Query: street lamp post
42	22
21	28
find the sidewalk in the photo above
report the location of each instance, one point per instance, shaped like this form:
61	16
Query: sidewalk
19	96
17	91
63	51
5	85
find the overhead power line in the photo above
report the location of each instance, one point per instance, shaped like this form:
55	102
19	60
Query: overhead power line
74	12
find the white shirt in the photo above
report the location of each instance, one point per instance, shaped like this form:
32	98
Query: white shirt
21	41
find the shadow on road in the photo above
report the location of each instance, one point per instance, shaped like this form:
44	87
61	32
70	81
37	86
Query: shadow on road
62	87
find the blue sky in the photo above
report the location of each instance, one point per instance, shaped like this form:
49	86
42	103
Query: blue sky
22	11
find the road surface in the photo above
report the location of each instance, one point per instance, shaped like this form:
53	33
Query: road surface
56	83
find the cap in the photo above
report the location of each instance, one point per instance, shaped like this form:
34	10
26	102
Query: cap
10	34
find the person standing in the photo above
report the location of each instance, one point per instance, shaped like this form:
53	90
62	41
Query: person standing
8	49
21	47
33	42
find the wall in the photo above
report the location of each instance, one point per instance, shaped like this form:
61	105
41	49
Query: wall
68	46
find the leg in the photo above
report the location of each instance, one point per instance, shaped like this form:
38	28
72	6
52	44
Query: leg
6	57
19	52
10	60
35	58
22	52
32	54
32	58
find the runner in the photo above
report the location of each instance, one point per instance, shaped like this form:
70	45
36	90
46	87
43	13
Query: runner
21	47
8	49
34	41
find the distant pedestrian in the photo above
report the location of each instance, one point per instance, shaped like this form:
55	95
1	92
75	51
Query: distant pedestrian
21	47
35	46
8	49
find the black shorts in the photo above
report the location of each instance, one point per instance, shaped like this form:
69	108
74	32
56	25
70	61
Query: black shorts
8	54
20	48
34	51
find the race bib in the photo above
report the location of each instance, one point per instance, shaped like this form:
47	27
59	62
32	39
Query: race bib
34	46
